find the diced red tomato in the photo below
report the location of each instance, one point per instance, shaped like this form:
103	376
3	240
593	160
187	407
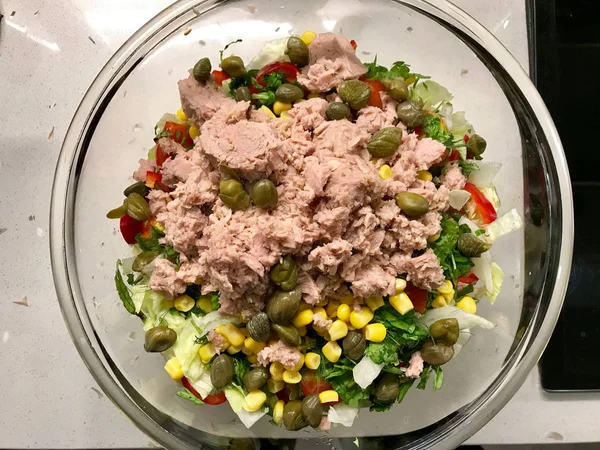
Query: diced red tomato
147	229
278	66
480	207
130	228
311	384
219	77
353	44
376	88
419	132
179	133
152	178
469	278
417	296
162	187
454	155
466	138
161	156
212	399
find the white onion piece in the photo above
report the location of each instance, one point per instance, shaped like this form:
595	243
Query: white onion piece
486	173
458	198
366	371
342	414
483	270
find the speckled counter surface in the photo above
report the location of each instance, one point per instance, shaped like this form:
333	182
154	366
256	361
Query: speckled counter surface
50	51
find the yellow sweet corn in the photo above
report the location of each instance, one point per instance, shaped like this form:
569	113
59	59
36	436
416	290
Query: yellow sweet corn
252	359
374	302
173	368
307	37
331	308
385	172
347	300
424	175
337	330
232	350
204	303
266	110
303	318
194	132
278	411
298	366
232	334
319	310
439	301
254	400
446	287
401	303
304	306
433	238
285	115
276	370
323	303
358	319
332	351
160	227
467	304
302	331
343	312
449	296
279	107
272	342
315	95
292	377
206	352
312	360
274	386
181	114
375	332
400	285
184	303
253	346
329	396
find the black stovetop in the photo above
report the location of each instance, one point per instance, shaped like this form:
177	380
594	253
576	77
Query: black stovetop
565	65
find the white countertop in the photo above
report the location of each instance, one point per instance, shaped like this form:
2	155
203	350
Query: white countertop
50	51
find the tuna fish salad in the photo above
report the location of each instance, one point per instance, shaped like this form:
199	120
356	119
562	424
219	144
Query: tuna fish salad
311	234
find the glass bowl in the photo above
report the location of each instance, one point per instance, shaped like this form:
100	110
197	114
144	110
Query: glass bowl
113	128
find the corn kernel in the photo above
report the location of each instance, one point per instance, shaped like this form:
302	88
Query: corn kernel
303	318
433	238
204	303
385	172
173	368
337	330
467	304
232	350
275	386
374	302
424	175
329	396
400	285
302	331
206	352
304	306
439	301
160	227
272	342
347	300
343	312
332	307
323	303
253	346
375	332
181	115
292	377
307	37
350	327
446	287
194	132
315	95
449	296
320	310
312	360
252	359
401	303
332	351
232	334
267	111
276	370
279	107
300	363
184	303
285	115
278	411
254	400
359	319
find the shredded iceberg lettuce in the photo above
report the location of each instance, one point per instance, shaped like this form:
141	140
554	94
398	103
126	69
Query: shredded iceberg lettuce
366	371
507	223
459	126
483	269
431	94
235	397
491	194
342	414
497	280
465	319
271	51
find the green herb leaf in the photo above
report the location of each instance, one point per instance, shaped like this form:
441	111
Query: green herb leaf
274	79
241	366
454	263
151	243
424	378
214	301
468	167
432	127
172	255
404	388
439	378
398	69
376	406
162	134
465	291
185	393
123	291
350	392
383	352
201	340
266	98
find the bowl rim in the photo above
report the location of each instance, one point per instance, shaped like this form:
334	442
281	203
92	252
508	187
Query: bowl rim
61	229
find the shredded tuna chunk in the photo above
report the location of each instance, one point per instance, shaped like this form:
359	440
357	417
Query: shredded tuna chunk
424	271
218	341
320	323
452	177
164	279
286	355
415	366
146	165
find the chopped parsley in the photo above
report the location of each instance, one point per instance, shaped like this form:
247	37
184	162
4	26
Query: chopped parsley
201	340
432	127
186	394
123	290
468	167
398	70
150	243
454	263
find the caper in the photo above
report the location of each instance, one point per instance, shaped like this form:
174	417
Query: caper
410	113
412	204
202	69
288	93
293	391
221	371
288	334
283	306
385	142
445	331
436	353
234	66
355	93
312	410
354	345
137	207
285	274
387	388
229	172
117	213
470	245
338	111
259	327
256	378
139	187
143	259
159	339
264	194
398	89
297	51
243	94
476	145
233	194
292	416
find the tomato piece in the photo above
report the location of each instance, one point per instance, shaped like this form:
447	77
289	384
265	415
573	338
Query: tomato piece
454	155
212	399
466	138
161	156
130	228
353	44
147	229
311	384
376	88
179	133
186	384
480	207
278	66
469	278
152	178
417	296
219	77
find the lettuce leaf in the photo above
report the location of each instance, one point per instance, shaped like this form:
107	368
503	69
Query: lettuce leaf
431	94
